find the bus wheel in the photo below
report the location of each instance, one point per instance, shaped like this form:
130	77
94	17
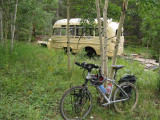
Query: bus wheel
65	49
43	45
90	52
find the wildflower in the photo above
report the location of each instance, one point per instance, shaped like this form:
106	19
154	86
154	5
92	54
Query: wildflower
50	69
45	58
30	92
50	83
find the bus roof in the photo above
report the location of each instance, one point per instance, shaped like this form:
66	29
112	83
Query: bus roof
76	21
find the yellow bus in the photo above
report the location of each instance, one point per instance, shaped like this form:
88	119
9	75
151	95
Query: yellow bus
87	38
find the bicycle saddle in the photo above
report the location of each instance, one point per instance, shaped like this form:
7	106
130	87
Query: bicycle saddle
117	66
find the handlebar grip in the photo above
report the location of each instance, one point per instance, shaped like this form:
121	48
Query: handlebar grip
96	67
77	63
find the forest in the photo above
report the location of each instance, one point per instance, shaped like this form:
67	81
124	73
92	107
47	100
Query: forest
33	78
36	17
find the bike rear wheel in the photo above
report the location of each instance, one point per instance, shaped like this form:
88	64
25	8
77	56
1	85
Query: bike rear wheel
132	96
76	103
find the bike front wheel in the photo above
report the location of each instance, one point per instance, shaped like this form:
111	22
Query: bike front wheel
126	91
76	103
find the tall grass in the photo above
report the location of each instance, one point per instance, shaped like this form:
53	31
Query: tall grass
33	80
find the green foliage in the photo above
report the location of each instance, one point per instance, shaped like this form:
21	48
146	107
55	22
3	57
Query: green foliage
149	12
142	51
38	14
114	11
32	15
86	9
33	80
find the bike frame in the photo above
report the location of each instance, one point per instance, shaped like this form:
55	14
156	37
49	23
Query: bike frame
107	99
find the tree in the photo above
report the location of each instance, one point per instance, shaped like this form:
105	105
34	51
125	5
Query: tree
150	27
14	22
35	18
105	37
1	27
100	35
68	36
123	13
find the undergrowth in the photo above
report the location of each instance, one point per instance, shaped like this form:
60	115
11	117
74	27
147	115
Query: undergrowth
33	80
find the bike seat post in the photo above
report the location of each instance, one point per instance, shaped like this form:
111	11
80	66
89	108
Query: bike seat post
115	73
116	67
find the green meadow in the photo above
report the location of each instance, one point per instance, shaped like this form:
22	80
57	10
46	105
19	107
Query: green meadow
33	80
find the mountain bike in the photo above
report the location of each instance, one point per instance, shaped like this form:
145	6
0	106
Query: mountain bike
76	103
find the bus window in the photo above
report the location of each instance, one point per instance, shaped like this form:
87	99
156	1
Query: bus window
72	31
97	32
88	32
63	31
79	31
56	31
91	31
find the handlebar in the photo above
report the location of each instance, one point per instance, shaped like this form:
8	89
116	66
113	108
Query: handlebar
87	66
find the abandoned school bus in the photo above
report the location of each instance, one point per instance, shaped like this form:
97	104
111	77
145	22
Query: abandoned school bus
85	38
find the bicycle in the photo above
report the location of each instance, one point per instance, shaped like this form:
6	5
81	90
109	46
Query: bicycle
76	103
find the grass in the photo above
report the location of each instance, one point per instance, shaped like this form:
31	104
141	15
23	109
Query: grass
33	80
142	51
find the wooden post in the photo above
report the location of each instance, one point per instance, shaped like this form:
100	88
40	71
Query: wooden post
123	13
68	36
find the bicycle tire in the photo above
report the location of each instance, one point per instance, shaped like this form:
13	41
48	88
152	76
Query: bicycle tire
72	99
131	103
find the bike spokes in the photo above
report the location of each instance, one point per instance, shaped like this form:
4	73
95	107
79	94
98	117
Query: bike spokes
130	94
77	104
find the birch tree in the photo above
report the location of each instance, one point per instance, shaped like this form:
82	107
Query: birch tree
123	14
105	23
14	22
68	36
100	35
6	23
1	27
31	30
105	37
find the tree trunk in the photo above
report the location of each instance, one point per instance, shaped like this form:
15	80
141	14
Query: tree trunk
12	17
100	35
105	23
6	26
30	30
105	37
68	36
34	30
1	27
123	13
30	33
6	33
159	60
57	11
14	22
